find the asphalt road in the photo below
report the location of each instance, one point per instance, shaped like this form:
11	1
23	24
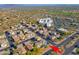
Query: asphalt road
68	39
70	49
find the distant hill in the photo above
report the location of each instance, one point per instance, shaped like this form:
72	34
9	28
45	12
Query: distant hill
35	5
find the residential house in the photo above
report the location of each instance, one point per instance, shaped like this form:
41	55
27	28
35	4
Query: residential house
21	35
40	43
30	35
21	49
3	43
29	45
16	39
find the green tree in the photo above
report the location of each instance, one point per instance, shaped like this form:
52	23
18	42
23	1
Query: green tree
77	50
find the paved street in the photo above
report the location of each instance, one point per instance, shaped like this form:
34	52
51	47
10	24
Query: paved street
68	39
70	49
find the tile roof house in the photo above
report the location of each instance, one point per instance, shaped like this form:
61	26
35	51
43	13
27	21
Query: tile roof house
21	36
21	50
28	45
3	43
40	43
16	39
